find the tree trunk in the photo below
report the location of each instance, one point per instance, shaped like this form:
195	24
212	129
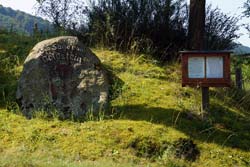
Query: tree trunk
196	27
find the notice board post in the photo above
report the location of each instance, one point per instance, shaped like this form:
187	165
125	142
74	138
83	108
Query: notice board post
196	30
238	78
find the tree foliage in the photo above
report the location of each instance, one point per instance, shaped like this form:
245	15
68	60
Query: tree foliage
220	29
156	26
246	12
140	25
159	26
247	8
62	13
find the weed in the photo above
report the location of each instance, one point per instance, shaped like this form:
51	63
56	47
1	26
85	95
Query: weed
13	107
148	147
169	159
185	148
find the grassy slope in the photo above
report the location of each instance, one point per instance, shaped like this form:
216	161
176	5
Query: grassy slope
151	103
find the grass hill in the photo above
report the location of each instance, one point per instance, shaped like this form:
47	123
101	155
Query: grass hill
17	21
151	112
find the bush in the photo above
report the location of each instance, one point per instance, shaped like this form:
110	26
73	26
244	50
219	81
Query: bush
153	26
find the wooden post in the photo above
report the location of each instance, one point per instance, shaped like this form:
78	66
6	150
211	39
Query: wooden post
238	78
196	38
205	99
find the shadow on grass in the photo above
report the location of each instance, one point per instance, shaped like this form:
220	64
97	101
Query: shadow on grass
224	127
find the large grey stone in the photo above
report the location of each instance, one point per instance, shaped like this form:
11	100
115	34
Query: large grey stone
61	73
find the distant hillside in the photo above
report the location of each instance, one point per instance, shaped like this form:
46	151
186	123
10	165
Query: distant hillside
15	20
241	49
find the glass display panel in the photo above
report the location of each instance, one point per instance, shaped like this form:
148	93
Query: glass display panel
214	67
196	67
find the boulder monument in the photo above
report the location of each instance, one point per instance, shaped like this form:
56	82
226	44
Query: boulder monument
62	74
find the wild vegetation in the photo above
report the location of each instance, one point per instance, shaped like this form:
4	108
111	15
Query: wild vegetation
157	27
153	27
152	121
13	50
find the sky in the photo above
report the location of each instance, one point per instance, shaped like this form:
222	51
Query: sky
231	7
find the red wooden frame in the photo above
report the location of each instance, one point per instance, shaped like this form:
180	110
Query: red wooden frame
206	82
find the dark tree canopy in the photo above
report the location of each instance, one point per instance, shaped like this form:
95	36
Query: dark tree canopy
220	29
158	27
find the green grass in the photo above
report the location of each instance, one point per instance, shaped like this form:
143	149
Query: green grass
150	106
39	142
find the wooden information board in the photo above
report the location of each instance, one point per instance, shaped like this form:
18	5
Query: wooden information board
206	68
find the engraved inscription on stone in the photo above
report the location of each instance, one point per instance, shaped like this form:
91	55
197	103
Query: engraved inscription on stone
57	53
